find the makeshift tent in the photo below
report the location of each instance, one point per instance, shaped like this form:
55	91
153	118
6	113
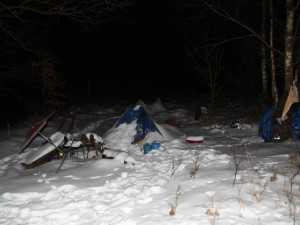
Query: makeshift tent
34	131
52	147
157	106
144	122
47	152
142	104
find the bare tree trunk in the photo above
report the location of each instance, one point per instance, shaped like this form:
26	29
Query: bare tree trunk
296	76
273	68
285	132
288	63
264	56
212	87
214	61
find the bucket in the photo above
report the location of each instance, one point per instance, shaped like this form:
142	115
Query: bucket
147	148
155	145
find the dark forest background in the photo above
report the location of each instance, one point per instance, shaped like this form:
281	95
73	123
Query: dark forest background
144	49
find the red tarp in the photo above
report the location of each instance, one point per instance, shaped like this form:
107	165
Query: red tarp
34	131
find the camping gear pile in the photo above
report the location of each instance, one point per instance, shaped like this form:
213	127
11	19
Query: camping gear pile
144	123
173	122
147	147
60	145
133	127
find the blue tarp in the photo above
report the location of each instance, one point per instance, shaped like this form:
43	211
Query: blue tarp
265	130
144	122
296	124
267	127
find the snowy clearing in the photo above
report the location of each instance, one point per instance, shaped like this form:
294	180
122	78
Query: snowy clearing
178	183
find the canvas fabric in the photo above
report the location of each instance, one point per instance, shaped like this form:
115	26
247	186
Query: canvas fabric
293	97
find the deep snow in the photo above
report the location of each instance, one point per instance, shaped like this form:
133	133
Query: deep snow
196	180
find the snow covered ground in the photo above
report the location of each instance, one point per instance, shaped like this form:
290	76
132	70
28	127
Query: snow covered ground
178	183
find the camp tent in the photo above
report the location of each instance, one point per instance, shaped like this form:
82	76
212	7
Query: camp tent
144	123
157	106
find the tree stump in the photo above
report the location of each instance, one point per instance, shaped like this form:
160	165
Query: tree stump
285	131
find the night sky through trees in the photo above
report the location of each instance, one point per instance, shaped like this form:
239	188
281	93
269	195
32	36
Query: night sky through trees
133	57
148	51
144	55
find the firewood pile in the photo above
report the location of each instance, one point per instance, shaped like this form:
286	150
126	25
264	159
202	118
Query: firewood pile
173	122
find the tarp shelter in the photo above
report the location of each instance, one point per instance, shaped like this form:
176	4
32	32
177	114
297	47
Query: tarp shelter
144	122
267	126
157	106
296	124
53	146
34	131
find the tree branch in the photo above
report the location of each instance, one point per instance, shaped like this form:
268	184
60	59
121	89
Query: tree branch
219	11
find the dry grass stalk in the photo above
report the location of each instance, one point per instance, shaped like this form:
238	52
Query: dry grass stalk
249	170
293	169
257	219
274	174
194	170
237	158
241	202
257	195
174	206
212	212
237	162
174	167
173	210
196	165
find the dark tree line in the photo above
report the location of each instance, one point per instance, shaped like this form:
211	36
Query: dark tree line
28	62
245	48
262	36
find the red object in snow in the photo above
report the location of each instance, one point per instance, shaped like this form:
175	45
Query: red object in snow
34	131
192	141
195	139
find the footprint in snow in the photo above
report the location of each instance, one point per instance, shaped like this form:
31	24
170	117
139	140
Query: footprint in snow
68	176
124	175
109	175
145	201
96	177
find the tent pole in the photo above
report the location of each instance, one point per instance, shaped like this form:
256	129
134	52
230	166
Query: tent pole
66	155
49	140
